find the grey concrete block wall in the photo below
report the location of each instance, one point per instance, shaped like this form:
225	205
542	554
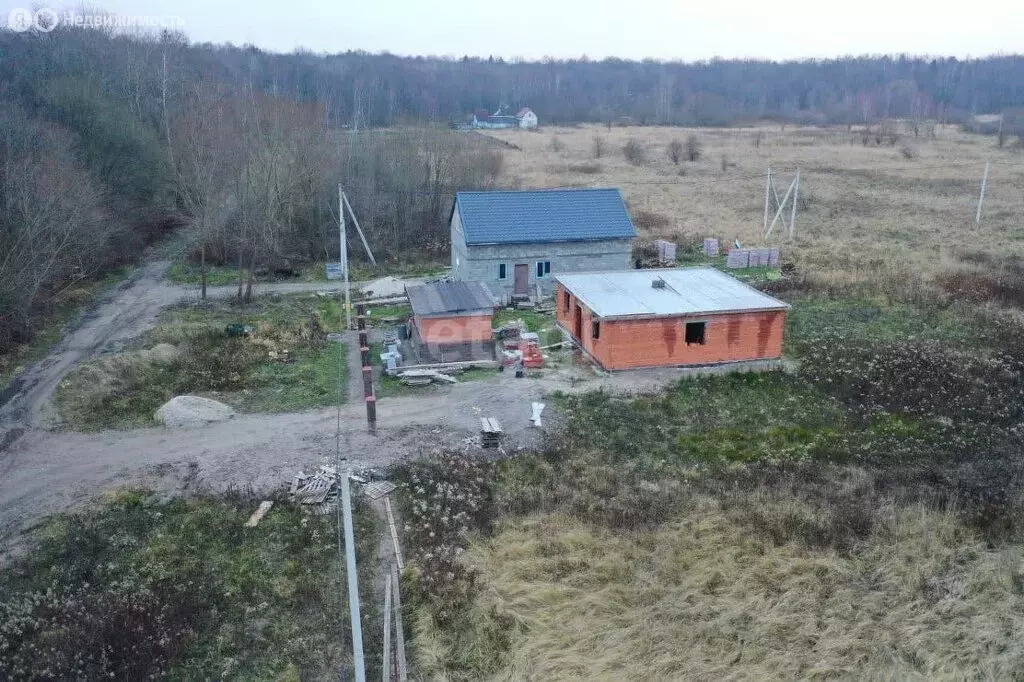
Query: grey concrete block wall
482	263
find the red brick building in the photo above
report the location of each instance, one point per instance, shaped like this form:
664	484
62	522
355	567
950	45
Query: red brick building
673	317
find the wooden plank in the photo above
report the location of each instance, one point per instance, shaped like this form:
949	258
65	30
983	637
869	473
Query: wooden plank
260	512
394	533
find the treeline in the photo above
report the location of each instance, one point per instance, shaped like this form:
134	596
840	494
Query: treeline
361	89
108	142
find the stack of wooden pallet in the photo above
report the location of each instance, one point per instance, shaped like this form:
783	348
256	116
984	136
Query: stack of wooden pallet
319	490
490	432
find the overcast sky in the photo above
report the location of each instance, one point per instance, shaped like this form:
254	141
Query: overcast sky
531	29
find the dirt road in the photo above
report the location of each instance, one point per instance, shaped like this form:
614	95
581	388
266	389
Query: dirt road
43	471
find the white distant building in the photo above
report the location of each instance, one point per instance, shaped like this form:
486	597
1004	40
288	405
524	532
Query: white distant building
526	118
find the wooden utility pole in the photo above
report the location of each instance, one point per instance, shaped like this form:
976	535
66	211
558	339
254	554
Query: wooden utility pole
767	197
981	197
362	237
796	192
353	580
344	257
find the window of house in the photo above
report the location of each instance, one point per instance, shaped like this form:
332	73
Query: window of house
695	332
543	268
595	330
501	271
568	301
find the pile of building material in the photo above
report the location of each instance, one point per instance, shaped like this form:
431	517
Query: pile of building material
666	251
320	490
490	432
424	377
752	258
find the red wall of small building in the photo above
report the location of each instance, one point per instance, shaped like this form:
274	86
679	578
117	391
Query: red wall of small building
630	344
463	329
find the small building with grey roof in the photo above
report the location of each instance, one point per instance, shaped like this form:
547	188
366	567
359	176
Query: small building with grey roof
669	317
451	321
515	241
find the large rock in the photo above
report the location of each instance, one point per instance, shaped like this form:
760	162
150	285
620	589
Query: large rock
190	410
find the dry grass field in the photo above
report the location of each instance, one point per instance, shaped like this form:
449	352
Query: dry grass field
864	210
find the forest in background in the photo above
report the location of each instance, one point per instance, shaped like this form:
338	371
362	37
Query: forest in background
110	141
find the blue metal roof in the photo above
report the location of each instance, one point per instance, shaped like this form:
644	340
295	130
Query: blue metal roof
550	215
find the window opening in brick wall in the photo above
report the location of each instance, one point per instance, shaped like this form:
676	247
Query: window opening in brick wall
695	333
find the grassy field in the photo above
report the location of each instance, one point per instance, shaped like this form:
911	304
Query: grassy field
866	212
284	365
142	588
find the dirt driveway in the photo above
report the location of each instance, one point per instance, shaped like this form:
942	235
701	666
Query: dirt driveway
44	471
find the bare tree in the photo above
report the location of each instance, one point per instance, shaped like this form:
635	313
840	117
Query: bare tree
675	151
693	149
599	146
634	152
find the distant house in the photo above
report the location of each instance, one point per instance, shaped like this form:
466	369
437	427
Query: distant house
676	317
483	119
513	241
451	321
527	119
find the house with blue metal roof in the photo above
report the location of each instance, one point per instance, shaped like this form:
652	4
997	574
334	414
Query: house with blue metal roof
515	241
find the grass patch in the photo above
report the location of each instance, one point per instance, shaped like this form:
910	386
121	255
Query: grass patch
394	314
52	326
189	352
705	597
143	588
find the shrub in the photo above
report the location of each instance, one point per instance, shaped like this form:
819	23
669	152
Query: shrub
634	152
675	151
649	220
599	146
693	149
586	168
447	496
556	145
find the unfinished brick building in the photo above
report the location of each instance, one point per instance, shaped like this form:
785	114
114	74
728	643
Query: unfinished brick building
673	317
451	321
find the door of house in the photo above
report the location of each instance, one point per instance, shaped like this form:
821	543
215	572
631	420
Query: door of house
577	324
522	279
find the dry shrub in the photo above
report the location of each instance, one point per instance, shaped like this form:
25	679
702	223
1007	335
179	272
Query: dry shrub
447	496
634	152
909	153
981	286
693	149
586	168
675	151
649	220
556	145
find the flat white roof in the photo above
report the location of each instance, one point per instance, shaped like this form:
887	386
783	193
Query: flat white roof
686	291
